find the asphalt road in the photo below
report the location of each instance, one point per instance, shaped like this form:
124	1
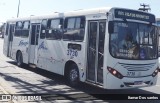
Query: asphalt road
52	87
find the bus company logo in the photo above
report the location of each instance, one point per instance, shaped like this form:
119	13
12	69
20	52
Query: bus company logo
42	46
23	43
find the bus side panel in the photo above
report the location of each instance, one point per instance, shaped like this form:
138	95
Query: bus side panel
20	44
77	56
41	54
55	56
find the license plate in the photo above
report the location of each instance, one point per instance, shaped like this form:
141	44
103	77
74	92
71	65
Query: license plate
133	74
138	82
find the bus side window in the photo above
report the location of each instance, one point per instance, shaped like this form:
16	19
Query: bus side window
25	29
18	28
43	29
54	29
74	28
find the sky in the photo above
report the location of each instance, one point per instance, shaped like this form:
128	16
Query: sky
9	8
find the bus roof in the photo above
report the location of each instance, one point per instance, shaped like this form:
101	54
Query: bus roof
33	17
70	13
87	11
81	12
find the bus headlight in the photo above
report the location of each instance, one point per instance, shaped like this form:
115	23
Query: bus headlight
155	72
115	72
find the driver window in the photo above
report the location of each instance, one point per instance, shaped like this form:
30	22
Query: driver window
114	35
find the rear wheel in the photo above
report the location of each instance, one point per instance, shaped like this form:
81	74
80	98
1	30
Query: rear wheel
19	59
73	75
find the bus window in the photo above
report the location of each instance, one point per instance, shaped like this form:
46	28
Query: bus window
43	29
71	23
18	29
19	25
25	29
26	24
74	28
54	30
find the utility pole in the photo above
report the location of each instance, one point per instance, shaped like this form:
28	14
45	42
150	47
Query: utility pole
145	7
18	8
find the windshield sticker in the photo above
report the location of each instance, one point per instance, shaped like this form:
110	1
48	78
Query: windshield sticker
125	53
23	43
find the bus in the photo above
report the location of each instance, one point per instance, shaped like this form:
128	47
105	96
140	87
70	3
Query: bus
108	47
158	25
2	29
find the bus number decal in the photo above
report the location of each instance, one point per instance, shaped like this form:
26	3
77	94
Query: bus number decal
23	43
72	53
131	74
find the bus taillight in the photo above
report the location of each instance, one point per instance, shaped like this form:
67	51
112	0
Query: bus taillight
115	72
155	72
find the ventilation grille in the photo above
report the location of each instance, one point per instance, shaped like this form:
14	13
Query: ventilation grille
138	67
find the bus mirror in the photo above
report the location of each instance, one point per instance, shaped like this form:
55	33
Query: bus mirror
111	27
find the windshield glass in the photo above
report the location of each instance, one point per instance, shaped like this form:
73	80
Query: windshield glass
129	40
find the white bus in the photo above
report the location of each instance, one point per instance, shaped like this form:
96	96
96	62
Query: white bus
158	24
112	48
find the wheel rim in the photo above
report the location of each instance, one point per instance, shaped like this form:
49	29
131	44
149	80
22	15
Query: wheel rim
73	75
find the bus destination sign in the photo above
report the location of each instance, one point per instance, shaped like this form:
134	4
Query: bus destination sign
136	15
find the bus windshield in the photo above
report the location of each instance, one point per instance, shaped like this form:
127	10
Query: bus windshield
130	40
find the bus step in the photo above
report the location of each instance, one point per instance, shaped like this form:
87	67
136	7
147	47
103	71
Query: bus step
32	65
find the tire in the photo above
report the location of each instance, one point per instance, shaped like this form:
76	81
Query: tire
19	59
73	75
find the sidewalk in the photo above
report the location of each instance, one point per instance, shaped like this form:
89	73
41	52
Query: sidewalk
4	92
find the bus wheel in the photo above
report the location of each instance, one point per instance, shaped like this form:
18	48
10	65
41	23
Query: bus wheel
19	59
73	75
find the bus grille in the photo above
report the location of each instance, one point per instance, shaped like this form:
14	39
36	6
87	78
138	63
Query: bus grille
138	67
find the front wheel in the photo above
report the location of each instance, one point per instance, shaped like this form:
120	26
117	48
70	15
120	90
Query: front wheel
73	75
19	59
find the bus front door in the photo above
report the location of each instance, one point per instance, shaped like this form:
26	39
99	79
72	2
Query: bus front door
35	30
10	39
95	51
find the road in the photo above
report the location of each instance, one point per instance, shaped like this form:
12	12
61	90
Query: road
26	80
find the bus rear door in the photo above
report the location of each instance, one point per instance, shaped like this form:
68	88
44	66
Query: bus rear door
9	39
35	30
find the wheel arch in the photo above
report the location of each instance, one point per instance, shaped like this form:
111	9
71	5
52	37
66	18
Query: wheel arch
67	67
17	53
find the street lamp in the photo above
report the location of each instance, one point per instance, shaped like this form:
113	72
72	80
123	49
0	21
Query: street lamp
18	8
